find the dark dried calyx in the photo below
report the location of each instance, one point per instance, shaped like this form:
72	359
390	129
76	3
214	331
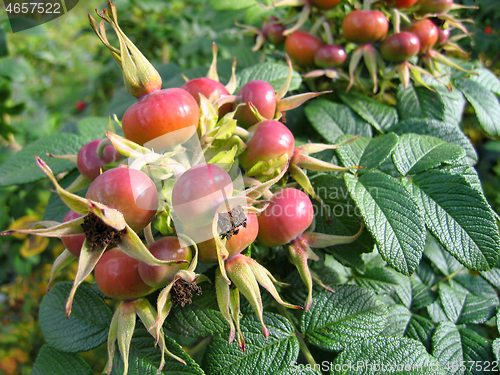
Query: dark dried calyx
231	221
182	292
99	234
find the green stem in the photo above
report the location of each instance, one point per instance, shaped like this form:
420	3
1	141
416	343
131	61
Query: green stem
367	4
315	28
302	344
328	31
447	278
396	20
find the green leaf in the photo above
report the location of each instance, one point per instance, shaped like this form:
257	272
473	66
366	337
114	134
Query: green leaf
477	310
366	152
51	361
443	260
496	349
452	301
415	153
87	326
493	276
336	320
201	318
120	102
398	317
421	329
487	79
93	127
397	355
380	115
332	120
339	217
467	172
451	346
454	101
385	281
485	104
422	295
438	129
145	357
392	217
220	5
273	73
419	102
458	217
263	356
21	167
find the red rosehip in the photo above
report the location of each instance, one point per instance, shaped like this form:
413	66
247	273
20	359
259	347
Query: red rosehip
288	215
302	46
129	191
365	26
168	248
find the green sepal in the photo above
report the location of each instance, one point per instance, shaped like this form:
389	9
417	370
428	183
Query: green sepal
223	300
225	158
267	167
125	147
62	261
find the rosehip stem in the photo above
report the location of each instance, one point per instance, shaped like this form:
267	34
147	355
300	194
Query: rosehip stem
328	31
367	4
317	25
148	233
396	20
242	133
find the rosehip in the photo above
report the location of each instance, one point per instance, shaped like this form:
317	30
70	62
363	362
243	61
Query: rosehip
168	248
330	56
365	26
274	31
170	111
90	164
288	215
261	94
199	192
435	6
427	34
74	243
117	276
400	47
271	140
302	46
325	4
129	191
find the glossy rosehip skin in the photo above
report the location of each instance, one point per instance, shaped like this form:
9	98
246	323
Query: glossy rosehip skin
325	4
129	191
302	46
435	6
330	56
207	250
199	192
288	215
261	94
274	32
401	4
171	111
427	34
168	248
400	47
210	89
443	35
90	164
271	140
365	26
117	276
74	243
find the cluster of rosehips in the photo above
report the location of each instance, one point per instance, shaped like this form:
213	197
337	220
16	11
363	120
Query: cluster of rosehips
151	175
364	27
